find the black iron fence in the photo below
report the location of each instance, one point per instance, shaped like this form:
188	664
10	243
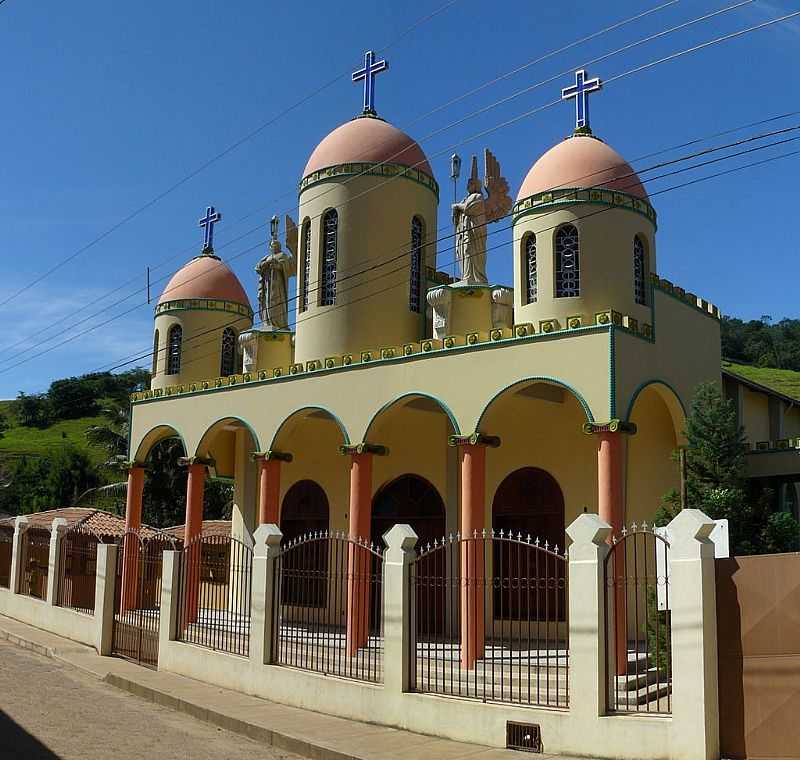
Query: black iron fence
137	604
35	564
489	619
77	569
215	590
328	606
638	629
6	549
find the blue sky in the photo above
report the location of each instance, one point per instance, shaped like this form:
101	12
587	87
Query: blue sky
110	104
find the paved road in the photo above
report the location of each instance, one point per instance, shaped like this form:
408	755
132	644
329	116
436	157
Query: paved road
50	711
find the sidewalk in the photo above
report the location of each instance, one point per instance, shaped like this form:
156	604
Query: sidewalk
314	735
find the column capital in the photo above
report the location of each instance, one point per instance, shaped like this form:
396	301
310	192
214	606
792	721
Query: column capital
612	426
364	448
190	461
271	455
131	464
476	439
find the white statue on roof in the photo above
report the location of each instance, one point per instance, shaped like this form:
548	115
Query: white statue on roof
274	271
474	213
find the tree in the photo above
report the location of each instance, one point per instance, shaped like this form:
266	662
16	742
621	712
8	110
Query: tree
31	411
3	425
113	436
716	484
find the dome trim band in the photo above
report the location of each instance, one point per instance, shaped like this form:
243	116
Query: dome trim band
203	304
378	169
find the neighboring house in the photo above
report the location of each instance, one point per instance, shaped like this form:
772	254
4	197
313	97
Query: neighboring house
771	422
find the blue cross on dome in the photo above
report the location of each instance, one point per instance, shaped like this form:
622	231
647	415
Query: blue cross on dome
580	92
208	221
371	68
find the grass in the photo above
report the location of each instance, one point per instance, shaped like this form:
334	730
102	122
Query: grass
22	441
784	381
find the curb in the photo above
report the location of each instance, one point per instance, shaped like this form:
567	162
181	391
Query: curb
32	646
260	734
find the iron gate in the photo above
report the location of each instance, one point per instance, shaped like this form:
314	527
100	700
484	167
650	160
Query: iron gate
137	604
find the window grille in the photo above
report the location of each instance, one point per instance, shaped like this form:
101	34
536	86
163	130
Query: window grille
174	354
531	281
306	264
568	267
414	297
330	227
155	355
227	365
639	271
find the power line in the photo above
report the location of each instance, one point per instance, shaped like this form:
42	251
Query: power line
179	183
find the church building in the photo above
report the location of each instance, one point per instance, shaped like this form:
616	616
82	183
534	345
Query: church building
403	395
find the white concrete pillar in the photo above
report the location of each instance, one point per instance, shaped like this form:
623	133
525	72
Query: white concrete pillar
20	526
57	530
693	601
398	612
268	539
170	598
104	590
588	690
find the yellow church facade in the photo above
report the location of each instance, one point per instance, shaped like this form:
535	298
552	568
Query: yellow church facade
404	396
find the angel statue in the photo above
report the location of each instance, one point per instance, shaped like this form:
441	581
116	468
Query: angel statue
274	271
471	216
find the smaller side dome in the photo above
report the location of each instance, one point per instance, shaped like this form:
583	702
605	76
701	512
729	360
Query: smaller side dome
367	139
581	161
205	276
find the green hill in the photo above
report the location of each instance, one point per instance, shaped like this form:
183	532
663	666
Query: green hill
21	441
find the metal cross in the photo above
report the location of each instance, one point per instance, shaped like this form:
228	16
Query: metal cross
580	91
371	68
208	221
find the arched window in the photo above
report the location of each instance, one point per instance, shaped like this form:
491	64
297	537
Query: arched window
306	275
415	291
330	230
227	362
531	281
639	271
155	355
175	339
568	262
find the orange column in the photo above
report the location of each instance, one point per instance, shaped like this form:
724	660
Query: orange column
473	505
130	548
611	508
269	491
195	491
358	560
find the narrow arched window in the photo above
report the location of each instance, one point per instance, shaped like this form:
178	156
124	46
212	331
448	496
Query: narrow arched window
175	339
306	272
415	288
227	363
155	355
330	231
639	271
531	280
568	262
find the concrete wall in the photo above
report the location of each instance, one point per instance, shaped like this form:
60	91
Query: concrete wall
59	620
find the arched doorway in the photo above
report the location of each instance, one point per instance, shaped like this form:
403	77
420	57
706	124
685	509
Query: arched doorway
529	502
305	510
408	499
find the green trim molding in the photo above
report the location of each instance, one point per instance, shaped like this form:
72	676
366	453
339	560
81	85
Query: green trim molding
204	304
595	196
612	426
369	169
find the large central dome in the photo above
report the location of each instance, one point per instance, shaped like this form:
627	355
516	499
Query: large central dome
367	139
581	161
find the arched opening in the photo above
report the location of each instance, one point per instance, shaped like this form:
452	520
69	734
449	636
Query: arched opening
330	232
305	510
529	502
174	347
415	288
305	271
568	264
529	268
408	499
227	362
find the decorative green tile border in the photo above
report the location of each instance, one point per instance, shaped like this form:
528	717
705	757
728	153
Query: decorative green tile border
597	196
204	304
372	169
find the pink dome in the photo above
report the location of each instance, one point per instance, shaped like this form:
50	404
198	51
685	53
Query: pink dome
205	277
581	161
370	140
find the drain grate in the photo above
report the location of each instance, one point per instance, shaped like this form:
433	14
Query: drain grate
526	737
